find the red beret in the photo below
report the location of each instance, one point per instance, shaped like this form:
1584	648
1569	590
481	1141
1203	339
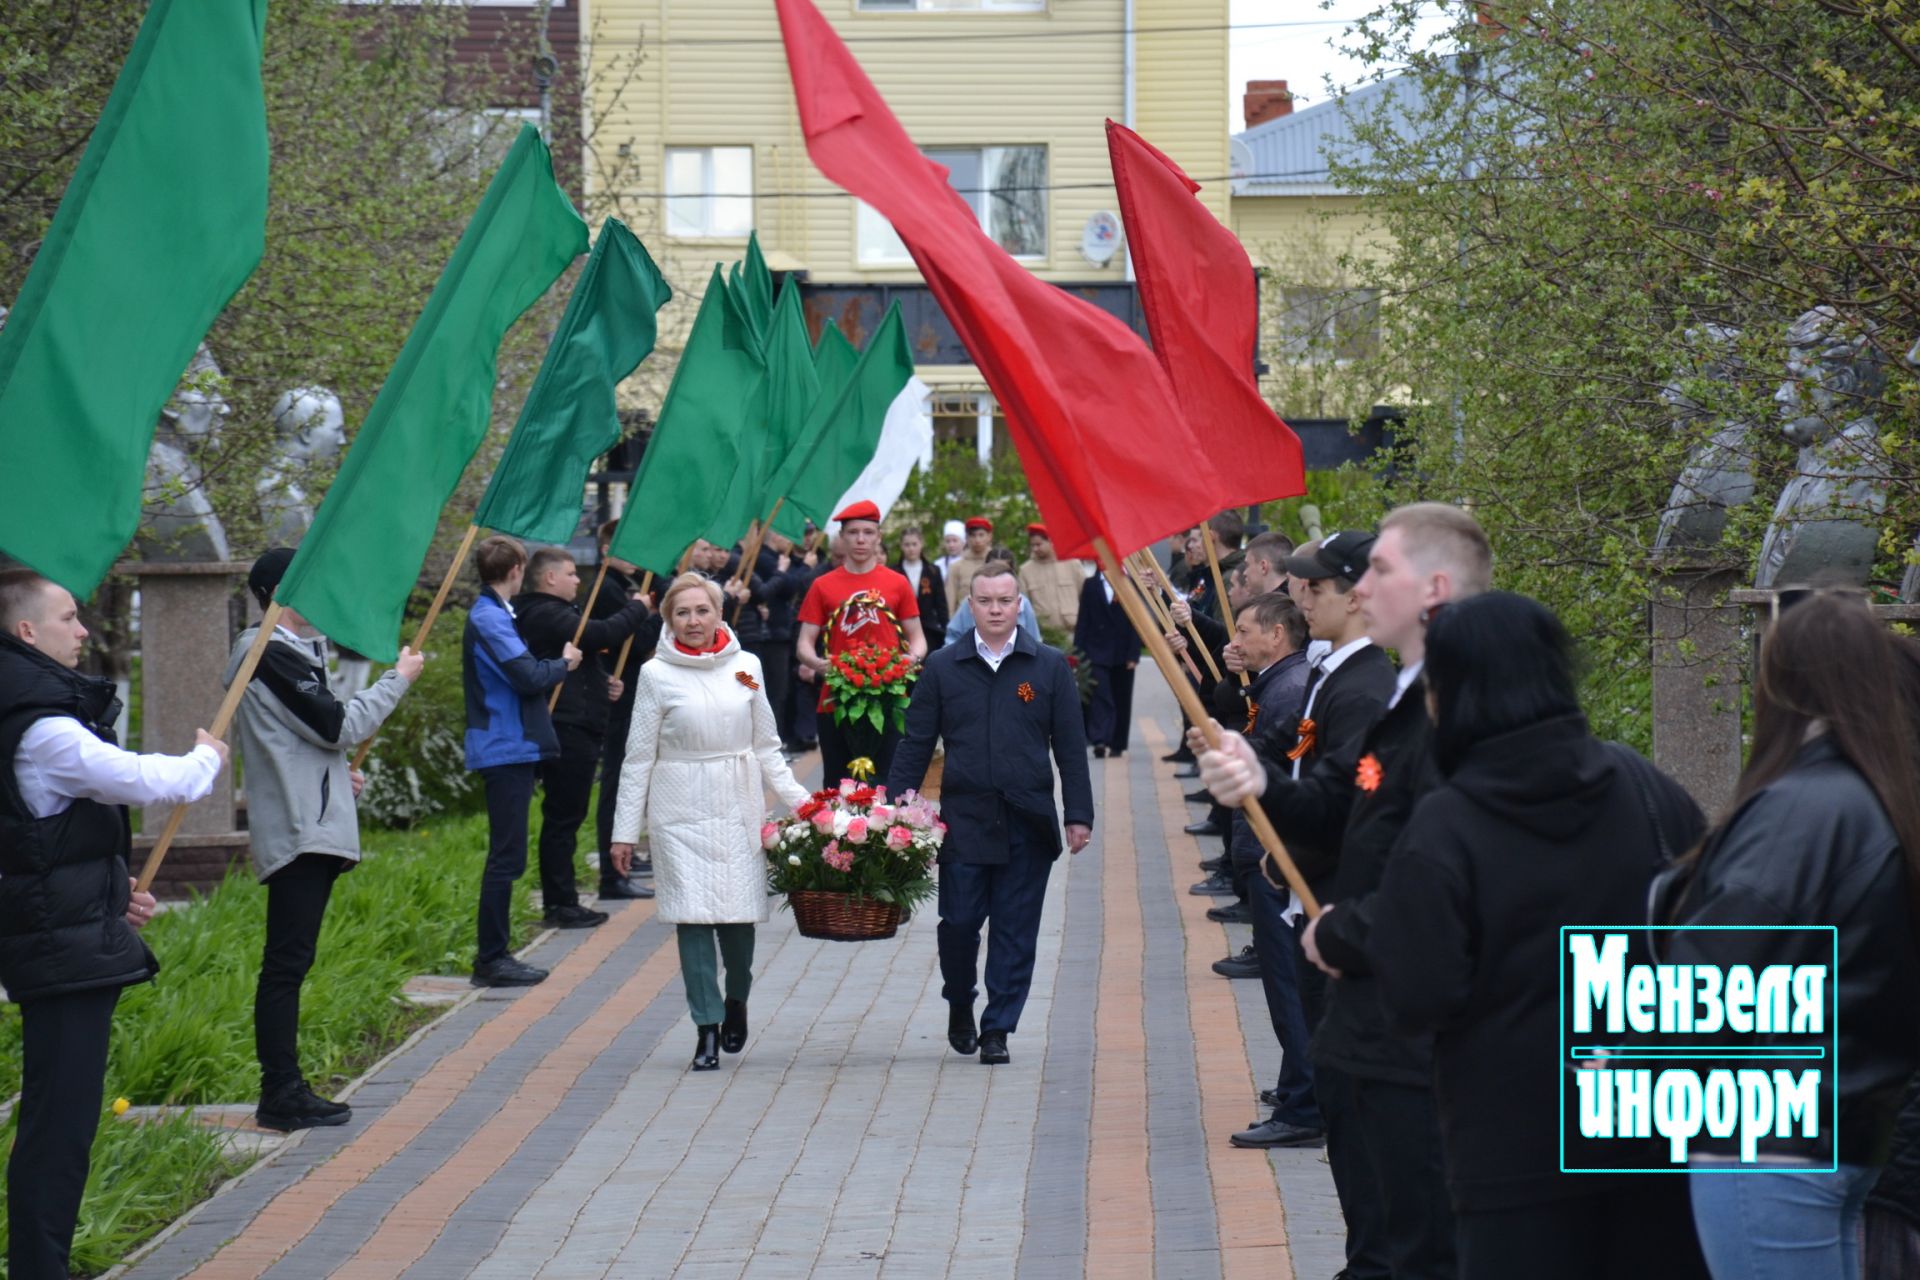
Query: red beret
1039	530
860	511
979	522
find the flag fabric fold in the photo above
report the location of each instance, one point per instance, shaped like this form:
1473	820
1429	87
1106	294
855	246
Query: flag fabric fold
139	261
833	359
1089	407
791	388
1203	310
355	568
845	432
570	417
698	449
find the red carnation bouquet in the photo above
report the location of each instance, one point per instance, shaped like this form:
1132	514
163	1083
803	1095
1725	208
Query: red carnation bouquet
873	684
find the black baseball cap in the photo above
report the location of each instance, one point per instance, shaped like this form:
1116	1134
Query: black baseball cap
1339	555
267	572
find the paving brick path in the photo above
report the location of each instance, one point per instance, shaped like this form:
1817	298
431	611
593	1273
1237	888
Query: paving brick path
555	1132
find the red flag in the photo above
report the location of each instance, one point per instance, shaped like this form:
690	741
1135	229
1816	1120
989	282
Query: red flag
1196	286
1092	412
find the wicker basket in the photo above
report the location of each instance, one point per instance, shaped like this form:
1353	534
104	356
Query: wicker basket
841	917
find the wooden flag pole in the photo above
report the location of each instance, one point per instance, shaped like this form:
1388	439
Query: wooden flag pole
626	646
586	616
222	721
750	553
1220	586
1190	703
426	624
1156	574
1160	614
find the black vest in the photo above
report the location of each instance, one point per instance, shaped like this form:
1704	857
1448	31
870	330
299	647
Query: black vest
63	879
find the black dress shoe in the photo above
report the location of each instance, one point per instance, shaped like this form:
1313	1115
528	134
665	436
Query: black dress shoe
574	917
300	1108
1219	884
1269	1097
1211	865
507	972
733	1030
1232	913
706	1051
1202	796
1099	751
1187	771
1204	827
1278	1133
1244	965
993	1048
961	1033
625	891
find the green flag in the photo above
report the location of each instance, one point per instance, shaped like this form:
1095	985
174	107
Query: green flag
146	248
570	417
792	387
843	432
833	359
696	451
750	285
361	557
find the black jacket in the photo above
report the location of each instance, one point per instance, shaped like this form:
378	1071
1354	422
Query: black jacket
1000	728
777	592
615	594
1816	847
931	596
1102	631
1270	717
1394	771
63	879
1535	829
547	623
1311	813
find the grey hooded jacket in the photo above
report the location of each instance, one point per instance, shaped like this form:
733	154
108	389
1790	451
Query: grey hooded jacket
294	738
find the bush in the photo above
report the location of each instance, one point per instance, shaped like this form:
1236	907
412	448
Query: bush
418	767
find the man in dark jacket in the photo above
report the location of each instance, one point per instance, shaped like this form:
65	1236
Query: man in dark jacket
1112	647
1002	703
548	620
767	622
508	734
67	907
1426	555
615	594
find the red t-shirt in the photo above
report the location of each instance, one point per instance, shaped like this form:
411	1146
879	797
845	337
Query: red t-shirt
860	625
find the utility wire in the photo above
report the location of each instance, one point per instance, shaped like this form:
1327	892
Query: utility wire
1079	33
965	191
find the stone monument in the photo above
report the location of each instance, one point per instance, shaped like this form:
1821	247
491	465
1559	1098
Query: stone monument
311	428
1826	526
1719	472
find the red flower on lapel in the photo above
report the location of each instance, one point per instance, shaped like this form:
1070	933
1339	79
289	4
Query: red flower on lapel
1368	776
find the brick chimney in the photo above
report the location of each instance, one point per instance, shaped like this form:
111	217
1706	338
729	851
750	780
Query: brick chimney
1267	100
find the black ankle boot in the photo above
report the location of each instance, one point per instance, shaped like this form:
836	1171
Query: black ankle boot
961	1033
733	1032
706	1053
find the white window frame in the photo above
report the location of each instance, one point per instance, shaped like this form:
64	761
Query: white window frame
870	228
707	195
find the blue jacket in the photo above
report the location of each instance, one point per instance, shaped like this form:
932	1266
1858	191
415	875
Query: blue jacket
999	740
1103	632
507	688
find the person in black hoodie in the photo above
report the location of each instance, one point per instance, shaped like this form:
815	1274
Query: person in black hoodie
616	593
767	623
1536	824
547	620
1825	830
68	912
1427	555
924	576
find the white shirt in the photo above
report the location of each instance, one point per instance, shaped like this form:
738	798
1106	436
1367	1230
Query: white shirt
1317	651
987	655
1408	674
59	761
913	569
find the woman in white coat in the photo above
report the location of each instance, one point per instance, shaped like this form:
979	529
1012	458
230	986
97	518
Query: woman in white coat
702	750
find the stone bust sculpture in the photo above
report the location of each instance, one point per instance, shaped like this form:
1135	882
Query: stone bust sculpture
1719	471
1826	524
310	426
178	522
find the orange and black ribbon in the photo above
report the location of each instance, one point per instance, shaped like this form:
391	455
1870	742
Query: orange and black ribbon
1253	718
1309	737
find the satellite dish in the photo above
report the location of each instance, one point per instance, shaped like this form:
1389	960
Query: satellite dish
1239	164
1100	239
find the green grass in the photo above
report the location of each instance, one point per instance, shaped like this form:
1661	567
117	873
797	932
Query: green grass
187	1037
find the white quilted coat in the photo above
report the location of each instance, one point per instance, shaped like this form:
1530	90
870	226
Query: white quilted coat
702	747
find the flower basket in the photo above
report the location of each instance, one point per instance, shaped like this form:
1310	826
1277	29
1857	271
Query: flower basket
841	917
851	863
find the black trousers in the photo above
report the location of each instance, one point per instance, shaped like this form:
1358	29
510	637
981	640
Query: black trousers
776	668
1006	899
63	1072
1110	708
509	790
613	754
297	896
1400	1125
1638	1232
840	744
567	780
1280	959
